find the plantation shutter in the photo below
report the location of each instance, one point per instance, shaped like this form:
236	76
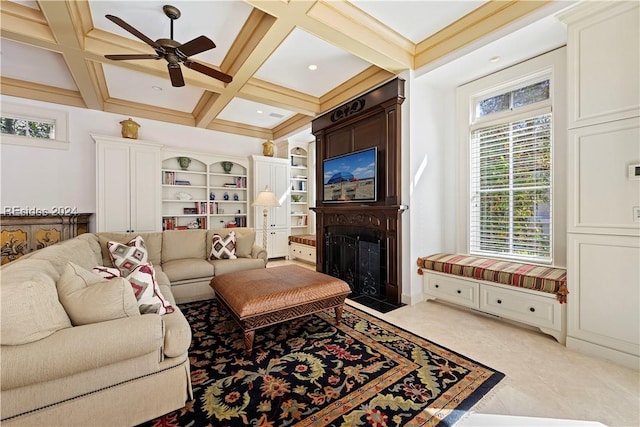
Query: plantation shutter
510	210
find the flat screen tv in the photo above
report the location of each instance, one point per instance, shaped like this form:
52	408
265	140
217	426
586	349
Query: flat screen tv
351	177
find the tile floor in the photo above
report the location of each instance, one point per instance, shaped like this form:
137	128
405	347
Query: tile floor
544	379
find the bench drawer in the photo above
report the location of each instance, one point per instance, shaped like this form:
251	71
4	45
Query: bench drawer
451	289
303	252
524	307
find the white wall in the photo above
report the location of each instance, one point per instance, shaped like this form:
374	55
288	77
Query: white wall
429	177
41	178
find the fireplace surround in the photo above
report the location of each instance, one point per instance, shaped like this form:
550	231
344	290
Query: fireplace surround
361	242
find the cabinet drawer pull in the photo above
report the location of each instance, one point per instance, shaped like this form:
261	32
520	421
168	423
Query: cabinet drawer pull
459	291
499	301
532	309
437	286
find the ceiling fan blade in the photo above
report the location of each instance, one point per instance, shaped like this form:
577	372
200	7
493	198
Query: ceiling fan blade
226	78
195	46
176	75
132	56
133	31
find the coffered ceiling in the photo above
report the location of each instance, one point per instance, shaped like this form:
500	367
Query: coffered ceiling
54	51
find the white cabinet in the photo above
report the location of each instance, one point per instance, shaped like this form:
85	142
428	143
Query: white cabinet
273	173
603	248
127	188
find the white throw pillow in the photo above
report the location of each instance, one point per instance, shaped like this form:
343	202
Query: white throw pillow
223	248
88	298
128	256
147	292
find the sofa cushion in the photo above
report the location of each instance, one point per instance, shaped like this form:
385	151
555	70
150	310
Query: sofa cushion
245	239
223	266
181	244
128	256
153	242
181	269
74	250
88	298
30	306
223	247
147	291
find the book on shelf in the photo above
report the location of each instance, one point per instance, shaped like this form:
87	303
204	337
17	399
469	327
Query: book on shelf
169	178
181	182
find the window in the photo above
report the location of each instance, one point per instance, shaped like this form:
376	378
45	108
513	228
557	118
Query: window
29	128
513	199
32	126
511	188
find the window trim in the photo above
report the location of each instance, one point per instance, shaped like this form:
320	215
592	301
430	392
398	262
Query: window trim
552	64
60	118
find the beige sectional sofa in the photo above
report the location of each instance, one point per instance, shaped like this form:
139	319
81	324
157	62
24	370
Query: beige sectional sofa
122	371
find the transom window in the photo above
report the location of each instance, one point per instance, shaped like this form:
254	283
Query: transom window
510	150
33	126
29	128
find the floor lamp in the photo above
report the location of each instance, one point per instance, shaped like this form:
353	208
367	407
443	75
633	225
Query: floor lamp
266	199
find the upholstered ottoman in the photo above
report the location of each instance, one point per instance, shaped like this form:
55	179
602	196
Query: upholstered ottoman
266	296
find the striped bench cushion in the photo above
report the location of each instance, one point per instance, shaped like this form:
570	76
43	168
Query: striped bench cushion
303	239
536	277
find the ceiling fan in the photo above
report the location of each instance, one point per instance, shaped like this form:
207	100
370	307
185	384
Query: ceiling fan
172	51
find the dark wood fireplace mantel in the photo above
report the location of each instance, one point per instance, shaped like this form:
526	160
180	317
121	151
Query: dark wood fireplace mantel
371	120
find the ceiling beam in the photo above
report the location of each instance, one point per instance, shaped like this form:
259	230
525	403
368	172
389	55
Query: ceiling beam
59	19
479	23
40	92
269	42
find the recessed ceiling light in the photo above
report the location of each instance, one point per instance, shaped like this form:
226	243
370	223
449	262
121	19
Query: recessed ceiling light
259	111
494	59
313	67
156	88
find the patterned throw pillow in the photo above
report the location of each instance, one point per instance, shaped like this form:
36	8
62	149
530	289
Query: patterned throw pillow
147	292
126	257
223	248
106	272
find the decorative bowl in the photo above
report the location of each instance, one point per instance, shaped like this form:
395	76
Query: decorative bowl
296	197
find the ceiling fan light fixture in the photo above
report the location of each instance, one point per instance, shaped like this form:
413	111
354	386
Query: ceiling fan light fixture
175	53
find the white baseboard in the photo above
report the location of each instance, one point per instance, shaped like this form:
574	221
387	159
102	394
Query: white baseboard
624	359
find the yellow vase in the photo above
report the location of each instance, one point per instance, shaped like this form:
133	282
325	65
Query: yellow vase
267	148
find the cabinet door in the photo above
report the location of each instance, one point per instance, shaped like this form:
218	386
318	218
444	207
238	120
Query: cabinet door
279	217
113	189
279	243
145	191
275	175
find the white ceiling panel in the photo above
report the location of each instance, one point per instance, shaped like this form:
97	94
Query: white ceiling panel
147	89
417	20
244	111
25	62
288	65
219	20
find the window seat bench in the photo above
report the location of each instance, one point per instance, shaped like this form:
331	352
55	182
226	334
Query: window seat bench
531	294
303	246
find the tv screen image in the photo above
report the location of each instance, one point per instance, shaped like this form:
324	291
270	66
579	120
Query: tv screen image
350	177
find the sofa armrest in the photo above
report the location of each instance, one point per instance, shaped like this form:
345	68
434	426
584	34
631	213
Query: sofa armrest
81	348
259	252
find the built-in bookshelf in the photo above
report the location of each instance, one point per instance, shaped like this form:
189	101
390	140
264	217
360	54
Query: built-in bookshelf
201	192
299	171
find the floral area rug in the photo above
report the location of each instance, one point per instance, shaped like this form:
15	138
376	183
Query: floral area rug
310	372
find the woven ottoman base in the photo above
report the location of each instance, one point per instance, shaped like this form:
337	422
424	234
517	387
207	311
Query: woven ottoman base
264	297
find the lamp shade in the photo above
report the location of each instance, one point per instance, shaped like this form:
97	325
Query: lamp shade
266	198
